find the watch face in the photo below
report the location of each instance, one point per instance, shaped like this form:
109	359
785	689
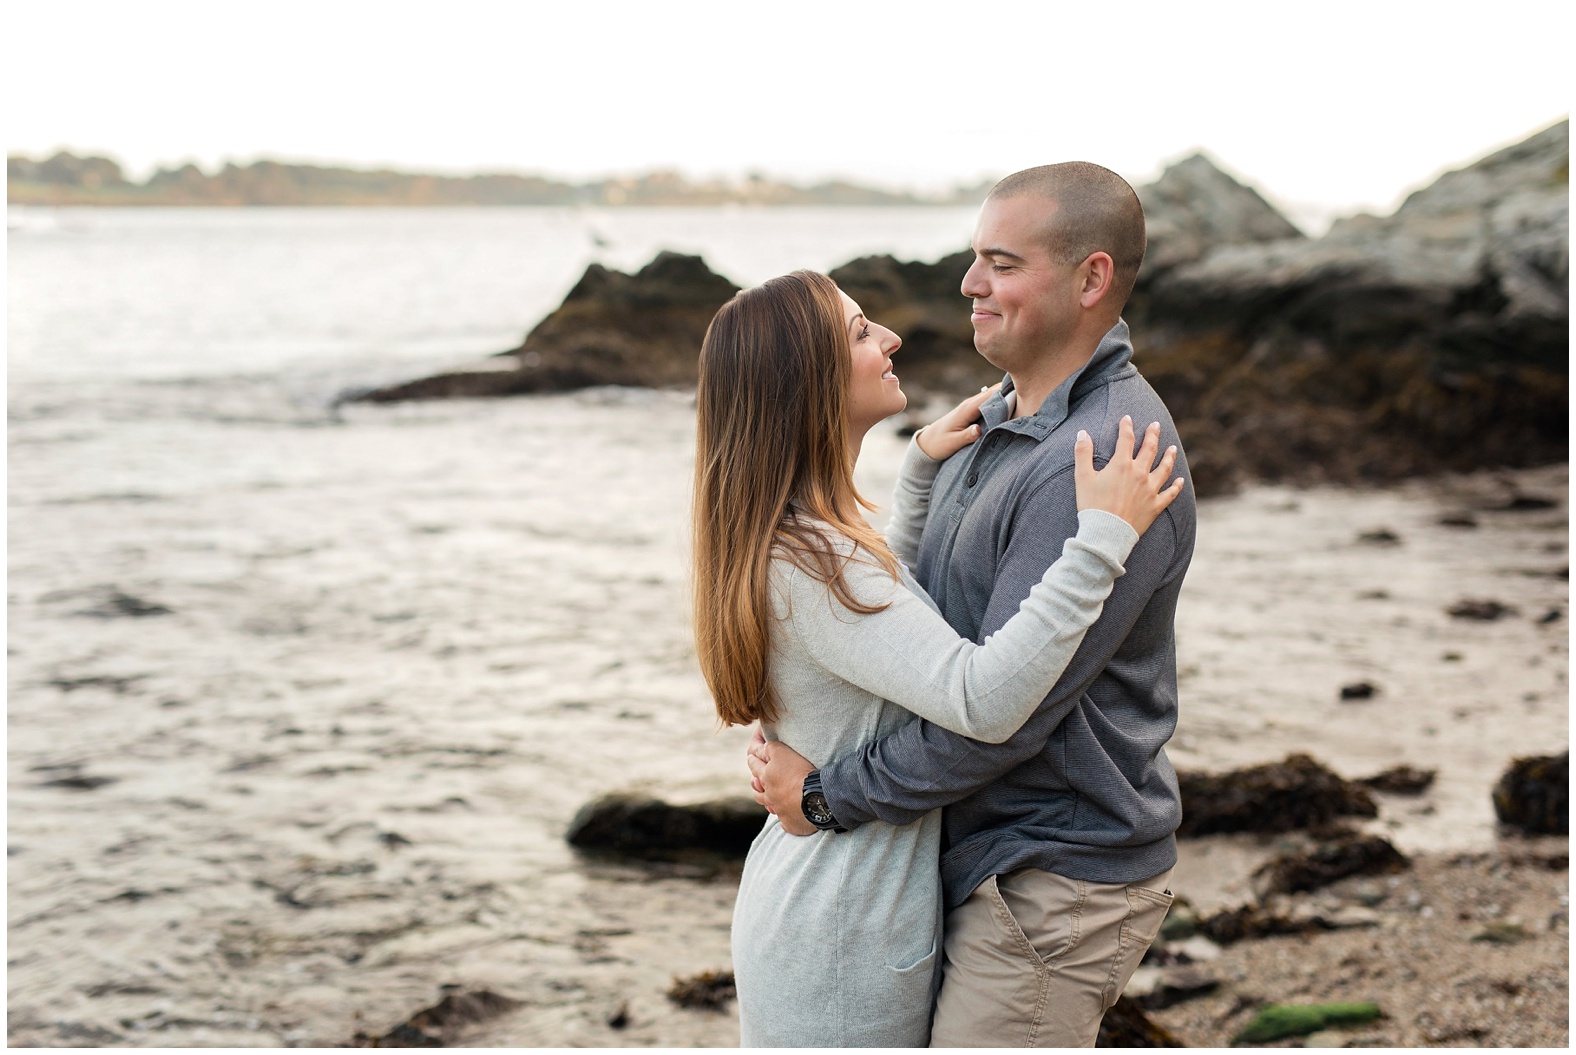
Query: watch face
815	808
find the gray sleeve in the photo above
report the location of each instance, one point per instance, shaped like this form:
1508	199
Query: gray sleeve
911	502
922	766
907	652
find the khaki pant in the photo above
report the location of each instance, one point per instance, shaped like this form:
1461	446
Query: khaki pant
1035	959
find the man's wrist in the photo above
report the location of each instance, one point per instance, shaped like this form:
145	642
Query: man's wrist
812	803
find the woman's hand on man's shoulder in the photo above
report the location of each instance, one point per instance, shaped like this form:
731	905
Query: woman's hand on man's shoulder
955	429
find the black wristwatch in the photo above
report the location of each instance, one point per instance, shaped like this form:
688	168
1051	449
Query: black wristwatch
814	806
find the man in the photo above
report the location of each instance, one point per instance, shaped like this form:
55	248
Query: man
1059	842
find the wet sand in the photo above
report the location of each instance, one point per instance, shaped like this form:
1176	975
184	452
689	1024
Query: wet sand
402	647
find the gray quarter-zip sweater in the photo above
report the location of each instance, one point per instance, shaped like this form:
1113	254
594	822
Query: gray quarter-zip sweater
1084	788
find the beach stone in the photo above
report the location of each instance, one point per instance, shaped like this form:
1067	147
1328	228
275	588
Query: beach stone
1362	690
1176	985
1533	795
709	990
1126	1026
648	828
1283	796
1479	611
1329	862
1401	780
440	1025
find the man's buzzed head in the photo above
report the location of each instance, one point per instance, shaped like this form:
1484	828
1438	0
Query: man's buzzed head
1096	210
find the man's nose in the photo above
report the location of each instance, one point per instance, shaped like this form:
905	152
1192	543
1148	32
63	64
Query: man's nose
974	281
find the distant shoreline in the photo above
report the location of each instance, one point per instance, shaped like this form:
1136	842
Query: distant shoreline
66	179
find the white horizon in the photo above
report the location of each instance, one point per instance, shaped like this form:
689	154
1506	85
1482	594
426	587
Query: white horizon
1325	111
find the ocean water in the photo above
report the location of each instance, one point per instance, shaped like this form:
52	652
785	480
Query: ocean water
301	698
191	293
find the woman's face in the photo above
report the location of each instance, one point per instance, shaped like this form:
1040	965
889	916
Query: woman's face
874	393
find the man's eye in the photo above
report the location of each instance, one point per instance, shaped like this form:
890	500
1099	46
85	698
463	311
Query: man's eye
1001	267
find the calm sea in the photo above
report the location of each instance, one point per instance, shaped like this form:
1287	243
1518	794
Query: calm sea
190	293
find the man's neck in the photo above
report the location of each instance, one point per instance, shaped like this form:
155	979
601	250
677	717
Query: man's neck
1039	379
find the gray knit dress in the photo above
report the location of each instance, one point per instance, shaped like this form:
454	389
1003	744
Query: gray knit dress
837	936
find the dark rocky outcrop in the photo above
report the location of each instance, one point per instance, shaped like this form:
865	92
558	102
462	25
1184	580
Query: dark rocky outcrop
612	329
649	829
1276	797
1433	339
1534	795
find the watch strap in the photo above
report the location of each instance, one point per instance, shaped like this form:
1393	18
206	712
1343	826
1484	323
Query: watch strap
814	806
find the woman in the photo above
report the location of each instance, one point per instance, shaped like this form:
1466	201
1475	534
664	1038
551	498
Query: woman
807	621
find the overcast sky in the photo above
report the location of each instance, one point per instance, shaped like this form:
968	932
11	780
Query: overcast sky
1327	105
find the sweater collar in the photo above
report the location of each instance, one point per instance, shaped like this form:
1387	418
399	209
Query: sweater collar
1110	361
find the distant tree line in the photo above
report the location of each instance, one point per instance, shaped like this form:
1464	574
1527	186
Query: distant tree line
66	179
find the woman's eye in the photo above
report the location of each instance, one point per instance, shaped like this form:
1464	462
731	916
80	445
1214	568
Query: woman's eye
864	333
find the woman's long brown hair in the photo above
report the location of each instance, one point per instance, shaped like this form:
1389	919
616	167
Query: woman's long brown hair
771	455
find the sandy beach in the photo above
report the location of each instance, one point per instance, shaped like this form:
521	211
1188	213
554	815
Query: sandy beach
303	700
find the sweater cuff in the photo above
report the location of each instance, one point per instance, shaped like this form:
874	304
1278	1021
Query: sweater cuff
1107	533
918	469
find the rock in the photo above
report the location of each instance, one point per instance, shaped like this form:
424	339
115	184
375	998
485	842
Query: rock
1502	933
1459	520
1481	611
1361	690
619	1019
1520	503
1533	795
1553	615
438	1026
1177	985
1379	537
1248	922
117	604
1351	917
1401	780
650	829
1275	797
923	304
78	782
1279	1021
1329	862
1432	339
709	990
643	329
1194	207
1126	1026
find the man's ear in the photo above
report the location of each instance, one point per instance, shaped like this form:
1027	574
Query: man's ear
1098	272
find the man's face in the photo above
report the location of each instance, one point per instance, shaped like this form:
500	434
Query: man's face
1025	304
